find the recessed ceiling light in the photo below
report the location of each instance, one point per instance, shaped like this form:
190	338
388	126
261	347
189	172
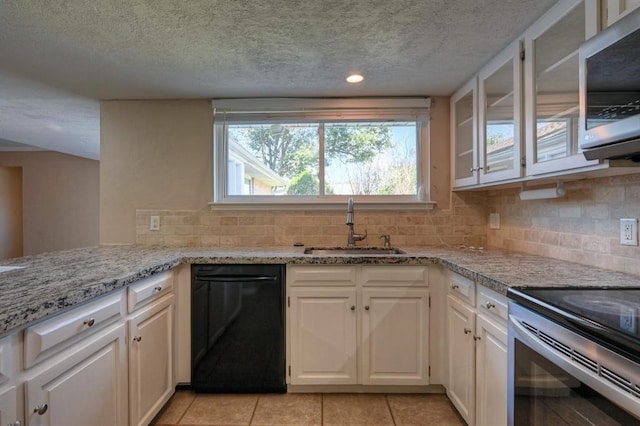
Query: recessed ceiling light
355	78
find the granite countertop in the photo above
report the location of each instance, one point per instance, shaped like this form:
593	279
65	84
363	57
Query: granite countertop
52	282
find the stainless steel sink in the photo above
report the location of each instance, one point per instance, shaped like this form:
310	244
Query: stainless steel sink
362	251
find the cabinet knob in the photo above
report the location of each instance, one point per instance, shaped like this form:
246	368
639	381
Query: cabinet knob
366	308
137	339
16	423
467	331
41	409
454	286
157	289
90	322
353	308
476	338
490	305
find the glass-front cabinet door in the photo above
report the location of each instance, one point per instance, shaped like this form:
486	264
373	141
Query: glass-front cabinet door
616	9
464	134
551	87
499	133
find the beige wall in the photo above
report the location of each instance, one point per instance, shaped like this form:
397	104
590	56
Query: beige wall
582	227
10	212
60	200
154	154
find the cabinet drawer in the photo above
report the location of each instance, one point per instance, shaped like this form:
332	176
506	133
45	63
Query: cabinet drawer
394	275
148	289
321	275
51	336
462	287
492	303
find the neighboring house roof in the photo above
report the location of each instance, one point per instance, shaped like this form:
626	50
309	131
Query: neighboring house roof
255	167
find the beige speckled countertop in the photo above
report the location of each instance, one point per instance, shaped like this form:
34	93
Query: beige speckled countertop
52	282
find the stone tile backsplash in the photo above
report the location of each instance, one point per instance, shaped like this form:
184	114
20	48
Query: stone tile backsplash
582	227
463	224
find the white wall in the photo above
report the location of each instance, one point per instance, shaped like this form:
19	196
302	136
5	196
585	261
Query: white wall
60	200
153	155
10	212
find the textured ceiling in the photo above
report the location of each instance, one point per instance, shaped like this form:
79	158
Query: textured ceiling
60	57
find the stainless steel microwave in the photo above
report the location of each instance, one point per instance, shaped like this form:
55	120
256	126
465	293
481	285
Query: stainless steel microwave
609	126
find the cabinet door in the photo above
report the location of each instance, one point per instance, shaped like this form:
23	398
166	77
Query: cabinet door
151	382
616	9
87	385
461	377
395	339
500	116
322	325
464	135
491	373
9	406
551	87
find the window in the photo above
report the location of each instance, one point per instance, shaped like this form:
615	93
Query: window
320	151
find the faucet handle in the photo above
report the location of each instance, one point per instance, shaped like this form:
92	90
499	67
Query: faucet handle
387	240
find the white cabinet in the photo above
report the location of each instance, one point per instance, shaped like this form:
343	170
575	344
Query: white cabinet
551	87
461	328
491	373
358	325
9	406
323	335
395	338
616	9
151	379
85	385
477	348
499	134
464	134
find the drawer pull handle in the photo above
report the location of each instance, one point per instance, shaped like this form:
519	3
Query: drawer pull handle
353	308
476	338
454	286
41	409
157	289
90	322
490	305
467	331
366	308
137	339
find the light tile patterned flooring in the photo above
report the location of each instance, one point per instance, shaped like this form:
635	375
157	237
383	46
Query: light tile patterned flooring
188	408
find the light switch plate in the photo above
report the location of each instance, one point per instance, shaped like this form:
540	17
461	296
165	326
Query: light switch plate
629	232
494	221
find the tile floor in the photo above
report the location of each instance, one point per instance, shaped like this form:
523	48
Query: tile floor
188	408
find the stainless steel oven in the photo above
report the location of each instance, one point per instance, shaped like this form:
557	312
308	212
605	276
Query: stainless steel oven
560	372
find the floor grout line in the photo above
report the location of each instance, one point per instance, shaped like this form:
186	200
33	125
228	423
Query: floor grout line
393	419
255	408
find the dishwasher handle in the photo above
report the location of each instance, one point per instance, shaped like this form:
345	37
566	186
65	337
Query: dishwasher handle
235	278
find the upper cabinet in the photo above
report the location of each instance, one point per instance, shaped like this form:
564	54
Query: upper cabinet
499	117
551	87
485	123
464	133
517	119
616	9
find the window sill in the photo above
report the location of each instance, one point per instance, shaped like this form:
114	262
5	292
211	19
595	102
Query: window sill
323	205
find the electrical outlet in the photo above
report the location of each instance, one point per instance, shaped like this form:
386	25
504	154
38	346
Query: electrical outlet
494	221
629	232
154	223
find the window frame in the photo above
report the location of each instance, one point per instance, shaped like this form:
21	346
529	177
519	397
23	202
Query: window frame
230	111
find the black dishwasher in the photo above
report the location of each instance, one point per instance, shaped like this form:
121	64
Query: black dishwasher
237	328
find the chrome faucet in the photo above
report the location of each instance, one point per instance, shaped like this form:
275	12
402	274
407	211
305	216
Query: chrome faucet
352	237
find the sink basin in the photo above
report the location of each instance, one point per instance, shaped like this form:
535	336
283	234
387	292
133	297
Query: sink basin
363	251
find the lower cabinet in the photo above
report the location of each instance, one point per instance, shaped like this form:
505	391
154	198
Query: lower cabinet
9	406
477	347
151	380
358	325
86	385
